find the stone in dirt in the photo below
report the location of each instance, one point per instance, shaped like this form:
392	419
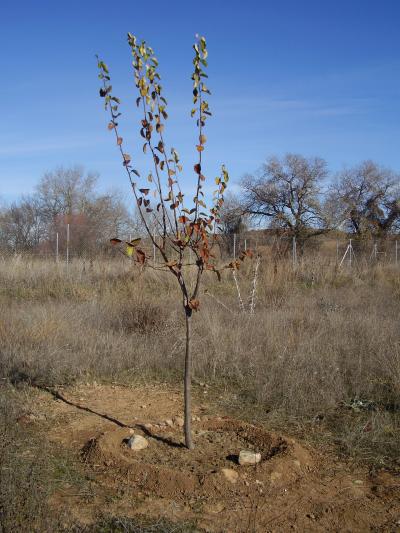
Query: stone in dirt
178	420
137	442
231	475
247	457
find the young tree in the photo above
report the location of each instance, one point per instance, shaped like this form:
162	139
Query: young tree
287	193
366	199
181	224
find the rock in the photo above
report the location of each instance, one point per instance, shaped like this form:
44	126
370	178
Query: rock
137	442
178	420
231	475
148	426
247	457
169	422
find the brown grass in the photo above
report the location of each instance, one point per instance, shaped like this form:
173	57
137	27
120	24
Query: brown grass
322	349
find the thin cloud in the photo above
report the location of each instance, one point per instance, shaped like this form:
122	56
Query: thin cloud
45	145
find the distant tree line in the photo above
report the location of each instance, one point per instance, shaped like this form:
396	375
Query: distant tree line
62	197
291	195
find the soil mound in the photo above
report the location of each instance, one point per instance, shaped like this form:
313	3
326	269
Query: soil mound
167	469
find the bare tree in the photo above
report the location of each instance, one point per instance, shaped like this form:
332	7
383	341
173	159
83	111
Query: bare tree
65	196
366	200
233	221
65	191
21	226
287	194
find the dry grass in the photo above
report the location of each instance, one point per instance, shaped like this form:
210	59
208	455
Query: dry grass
322	347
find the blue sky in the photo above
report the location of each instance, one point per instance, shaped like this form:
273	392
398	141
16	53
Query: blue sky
312	77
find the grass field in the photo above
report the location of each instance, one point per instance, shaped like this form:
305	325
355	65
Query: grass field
319	359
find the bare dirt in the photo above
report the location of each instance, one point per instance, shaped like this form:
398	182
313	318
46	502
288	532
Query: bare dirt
294	488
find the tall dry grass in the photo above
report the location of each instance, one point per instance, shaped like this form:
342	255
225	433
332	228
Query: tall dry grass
323	344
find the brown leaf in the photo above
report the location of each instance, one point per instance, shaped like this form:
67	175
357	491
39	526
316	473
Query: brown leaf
140	256
197	168
119	141
194	304
115	241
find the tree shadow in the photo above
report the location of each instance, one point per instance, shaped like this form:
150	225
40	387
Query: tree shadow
58	396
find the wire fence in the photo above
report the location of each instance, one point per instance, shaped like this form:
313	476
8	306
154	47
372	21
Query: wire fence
338	249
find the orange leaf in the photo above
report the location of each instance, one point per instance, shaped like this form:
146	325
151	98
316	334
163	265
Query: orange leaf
194	304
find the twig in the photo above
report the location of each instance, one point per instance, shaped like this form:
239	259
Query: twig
241	304
253	292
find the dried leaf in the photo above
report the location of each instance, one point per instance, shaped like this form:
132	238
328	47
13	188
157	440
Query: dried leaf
140	256
194	304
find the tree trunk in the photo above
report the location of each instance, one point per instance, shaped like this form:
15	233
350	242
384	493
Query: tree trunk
188	383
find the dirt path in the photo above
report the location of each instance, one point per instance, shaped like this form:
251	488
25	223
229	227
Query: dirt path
294	488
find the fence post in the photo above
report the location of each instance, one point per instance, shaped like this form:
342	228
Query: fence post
396	253
67	245
350	252
245	245
294	252
57	247
234	246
